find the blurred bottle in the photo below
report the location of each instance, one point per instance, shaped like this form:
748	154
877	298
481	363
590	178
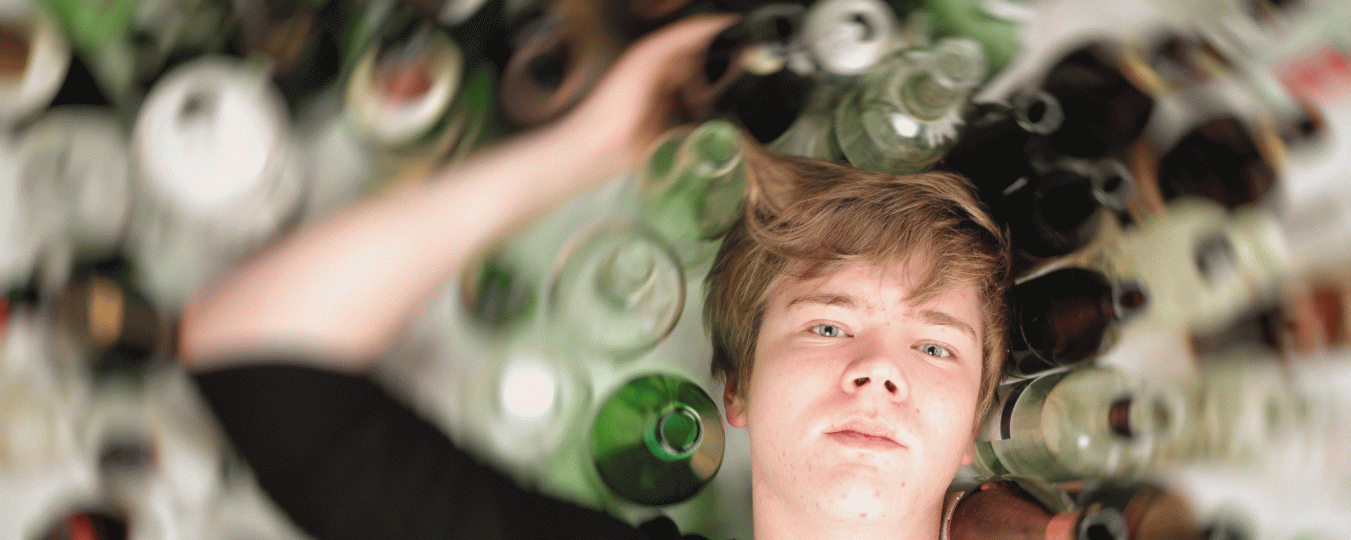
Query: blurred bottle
1060	205
404	96
1150	512
747	77
1002	511
556	58
89	524
996	24
110	320
657	440
619	292
1202	265
75	170
906	111
1000	141
42	393
157	453
812	134
526	402
1219	160
218	175
34	58
1067	316
1104	111
848	37
693	189
1231	412
1061	426
298	38
497	294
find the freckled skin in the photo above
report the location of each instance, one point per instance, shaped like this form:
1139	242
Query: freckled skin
919	384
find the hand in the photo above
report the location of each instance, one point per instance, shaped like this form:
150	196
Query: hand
637	101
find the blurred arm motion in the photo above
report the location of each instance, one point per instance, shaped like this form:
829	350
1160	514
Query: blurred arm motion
340	291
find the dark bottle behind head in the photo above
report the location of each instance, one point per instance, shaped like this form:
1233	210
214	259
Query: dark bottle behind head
1059	205
999	140
559	53
1003	511
1065	317
745	75
1104	111
1219	160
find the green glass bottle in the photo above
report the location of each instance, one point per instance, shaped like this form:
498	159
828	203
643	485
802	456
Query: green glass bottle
496	294
1061	426
812	134
907	110
996	24
657	440
693	189
619	292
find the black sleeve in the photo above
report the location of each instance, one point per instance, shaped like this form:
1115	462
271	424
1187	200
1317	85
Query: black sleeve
344	459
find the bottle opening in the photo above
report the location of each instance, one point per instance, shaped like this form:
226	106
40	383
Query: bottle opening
679	431
14	51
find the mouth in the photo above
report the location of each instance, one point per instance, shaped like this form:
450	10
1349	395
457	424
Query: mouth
865	438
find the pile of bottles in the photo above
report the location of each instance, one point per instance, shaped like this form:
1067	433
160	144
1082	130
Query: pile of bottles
1171	182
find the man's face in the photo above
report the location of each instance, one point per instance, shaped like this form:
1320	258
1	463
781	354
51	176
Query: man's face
862	403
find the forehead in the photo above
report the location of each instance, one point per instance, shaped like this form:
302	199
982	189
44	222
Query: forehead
869	286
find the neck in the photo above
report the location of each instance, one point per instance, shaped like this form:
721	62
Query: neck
777	518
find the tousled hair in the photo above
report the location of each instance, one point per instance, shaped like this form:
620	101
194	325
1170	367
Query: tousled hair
805	217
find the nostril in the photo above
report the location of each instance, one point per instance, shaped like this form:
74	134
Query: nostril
890	386
861	381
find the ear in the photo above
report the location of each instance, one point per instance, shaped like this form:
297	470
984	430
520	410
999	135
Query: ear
733	403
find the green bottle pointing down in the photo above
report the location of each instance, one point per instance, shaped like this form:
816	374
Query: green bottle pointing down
657	440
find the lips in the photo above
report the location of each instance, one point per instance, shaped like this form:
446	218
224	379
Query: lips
864	433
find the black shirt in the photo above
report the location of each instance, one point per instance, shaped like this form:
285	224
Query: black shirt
346	460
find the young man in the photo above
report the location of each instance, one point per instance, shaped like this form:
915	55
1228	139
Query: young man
868	305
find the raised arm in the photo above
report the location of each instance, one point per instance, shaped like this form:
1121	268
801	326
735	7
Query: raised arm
341	290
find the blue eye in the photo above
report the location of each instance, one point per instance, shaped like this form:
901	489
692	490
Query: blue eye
828	330
937	351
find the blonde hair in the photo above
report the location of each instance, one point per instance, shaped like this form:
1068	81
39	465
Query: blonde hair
805	217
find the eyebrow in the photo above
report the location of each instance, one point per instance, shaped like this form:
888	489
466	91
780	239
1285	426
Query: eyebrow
826	299
943	319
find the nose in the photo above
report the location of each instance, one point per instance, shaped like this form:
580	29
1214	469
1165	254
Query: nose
876	373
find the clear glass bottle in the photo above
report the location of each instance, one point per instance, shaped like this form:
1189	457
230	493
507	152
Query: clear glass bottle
618	293
907	110
693	189
1061	426
657	440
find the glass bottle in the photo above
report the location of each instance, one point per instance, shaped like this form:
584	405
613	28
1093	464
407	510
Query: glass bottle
996	24
619	292
526	402
403	96
1061	426
657	440
556	58
1203	265
1068	316
848	37
812	134
1000	141
1149	511
35	55
1104	111
905	112
1218	160
218	174
747	77
1002	511
298	38
693	189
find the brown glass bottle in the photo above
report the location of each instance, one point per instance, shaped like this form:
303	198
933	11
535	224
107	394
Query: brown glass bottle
1003	511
